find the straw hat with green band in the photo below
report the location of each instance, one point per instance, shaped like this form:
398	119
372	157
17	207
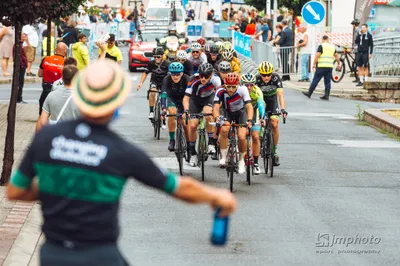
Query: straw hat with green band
101	88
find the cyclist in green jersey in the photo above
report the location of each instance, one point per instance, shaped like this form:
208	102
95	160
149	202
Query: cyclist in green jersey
257	100
272	88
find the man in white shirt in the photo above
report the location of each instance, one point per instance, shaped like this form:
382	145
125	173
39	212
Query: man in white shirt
58	105
305	50
30	45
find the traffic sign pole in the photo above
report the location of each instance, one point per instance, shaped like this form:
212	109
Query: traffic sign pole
313	13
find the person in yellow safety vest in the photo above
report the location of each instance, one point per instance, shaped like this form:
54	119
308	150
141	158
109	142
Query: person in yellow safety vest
44	46
323	63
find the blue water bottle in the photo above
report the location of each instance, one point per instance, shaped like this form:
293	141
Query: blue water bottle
219	233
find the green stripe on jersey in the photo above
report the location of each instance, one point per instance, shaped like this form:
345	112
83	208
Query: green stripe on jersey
79	184
20	180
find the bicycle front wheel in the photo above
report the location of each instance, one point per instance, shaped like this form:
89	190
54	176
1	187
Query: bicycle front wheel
181	148
248	162
337	76
264	147
271	153
231	165
202	154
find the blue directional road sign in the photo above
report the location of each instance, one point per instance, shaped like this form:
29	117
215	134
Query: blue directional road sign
313	12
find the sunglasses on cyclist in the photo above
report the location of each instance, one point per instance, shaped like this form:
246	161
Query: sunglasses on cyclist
231	87
176	74
214	54
157	56
249	84
203	76
266	75
195	52
182	60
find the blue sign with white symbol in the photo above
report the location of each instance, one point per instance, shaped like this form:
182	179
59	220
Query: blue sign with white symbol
313	12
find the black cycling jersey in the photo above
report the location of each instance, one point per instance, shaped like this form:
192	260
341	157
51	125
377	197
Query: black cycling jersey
188	68
158	72
173	91
272	87
213	62
82	169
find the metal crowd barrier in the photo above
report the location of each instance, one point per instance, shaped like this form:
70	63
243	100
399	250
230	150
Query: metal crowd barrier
386	62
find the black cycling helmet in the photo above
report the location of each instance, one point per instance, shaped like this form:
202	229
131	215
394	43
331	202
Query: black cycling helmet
158	51
206	69
355	22
214	49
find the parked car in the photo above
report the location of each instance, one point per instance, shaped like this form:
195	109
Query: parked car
141	49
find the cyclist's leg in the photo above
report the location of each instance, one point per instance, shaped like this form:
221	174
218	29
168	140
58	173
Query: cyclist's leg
223	140
171	124
208	109
194	107
255	136
152	99
241	119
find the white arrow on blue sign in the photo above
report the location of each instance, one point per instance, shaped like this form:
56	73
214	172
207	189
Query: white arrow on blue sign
313	12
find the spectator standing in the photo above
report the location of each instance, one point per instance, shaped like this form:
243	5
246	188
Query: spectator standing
225	16
44	42
265	31
251	27
305	51
105	14
112	51
356	31
365	48
142	12
51	70
323	63
30	44
286	42
58	105
6	45
22	67
70	33
81	52
82	219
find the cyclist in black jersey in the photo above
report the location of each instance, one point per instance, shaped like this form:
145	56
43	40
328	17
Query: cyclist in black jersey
272	88
173	90
214	56
158	69
199	97
182	58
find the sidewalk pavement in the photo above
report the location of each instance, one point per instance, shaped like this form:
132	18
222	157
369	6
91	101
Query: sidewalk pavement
344	89
34	70
20	222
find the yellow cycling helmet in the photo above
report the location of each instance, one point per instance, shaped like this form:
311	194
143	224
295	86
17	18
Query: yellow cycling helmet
265	68
227	45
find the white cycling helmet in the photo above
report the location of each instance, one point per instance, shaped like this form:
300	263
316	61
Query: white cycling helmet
196	46
181	55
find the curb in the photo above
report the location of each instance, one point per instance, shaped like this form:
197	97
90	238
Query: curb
380	119
27	80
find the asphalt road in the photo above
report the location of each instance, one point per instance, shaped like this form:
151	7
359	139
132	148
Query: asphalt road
336	179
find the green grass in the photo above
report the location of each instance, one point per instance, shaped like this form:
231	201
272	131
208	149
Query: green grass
382	131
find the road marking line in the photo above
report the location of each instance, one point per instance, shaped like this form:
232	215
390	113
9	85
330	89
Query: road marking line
366	143
333	115
172	163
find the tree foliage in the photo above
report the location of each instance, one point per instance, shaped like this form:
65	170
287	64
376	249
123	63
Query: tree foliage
19	13
28	11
